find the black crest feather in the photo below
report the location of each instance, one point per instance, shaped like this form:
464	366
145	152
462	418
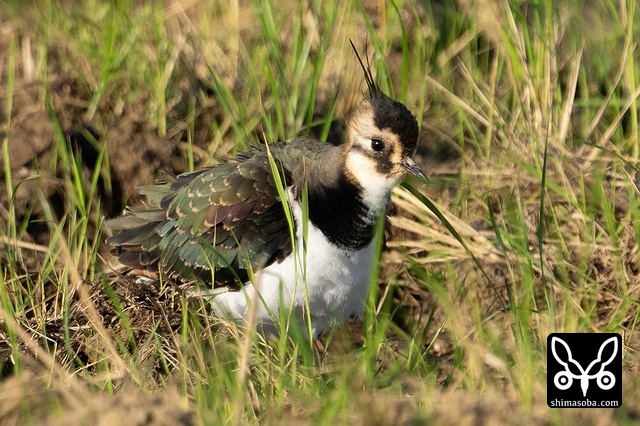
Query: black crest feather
374	90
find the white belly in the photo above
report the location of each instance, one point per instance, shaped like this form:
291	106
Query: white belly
333	284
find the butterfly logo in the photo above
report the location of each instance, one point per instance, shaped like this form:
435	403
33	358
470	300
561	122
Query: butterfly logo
564	379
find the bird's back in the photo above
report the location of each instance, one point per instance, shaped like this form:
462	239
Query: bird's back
217	223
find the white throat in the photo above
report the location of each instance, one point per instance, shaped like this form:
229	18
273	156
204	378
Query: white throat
376	187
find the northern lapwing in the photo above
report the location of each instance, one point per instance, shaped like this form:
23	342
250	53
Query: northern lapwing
220	225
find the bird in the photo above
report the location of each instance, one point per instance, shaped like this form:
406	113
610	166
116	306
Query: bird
287	226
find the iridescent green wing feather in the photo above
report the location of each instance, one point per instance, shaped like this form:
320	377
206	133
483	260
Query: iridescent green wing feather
224	219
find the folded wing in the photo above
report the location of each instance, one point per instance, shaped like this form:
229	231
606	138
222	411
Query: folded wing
212	225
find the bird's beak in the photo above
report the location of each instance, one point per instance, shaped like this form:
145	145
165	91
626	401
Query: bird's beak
411	167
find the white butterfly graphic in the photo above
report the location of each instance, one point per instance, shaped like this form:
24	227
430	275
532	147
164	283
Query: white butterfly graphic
564	379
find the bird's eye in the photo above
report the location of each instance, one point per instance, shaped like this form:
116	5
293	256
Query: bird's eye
377	145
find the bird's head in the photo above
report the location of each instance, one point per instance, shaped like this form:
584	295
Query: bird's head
382	138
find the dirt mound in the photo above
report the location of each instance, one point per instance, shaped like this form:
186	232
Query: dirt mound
30	399
128	312
48	139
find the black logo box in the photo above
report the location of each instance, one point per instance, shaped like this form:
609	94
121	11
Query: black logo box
584	370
